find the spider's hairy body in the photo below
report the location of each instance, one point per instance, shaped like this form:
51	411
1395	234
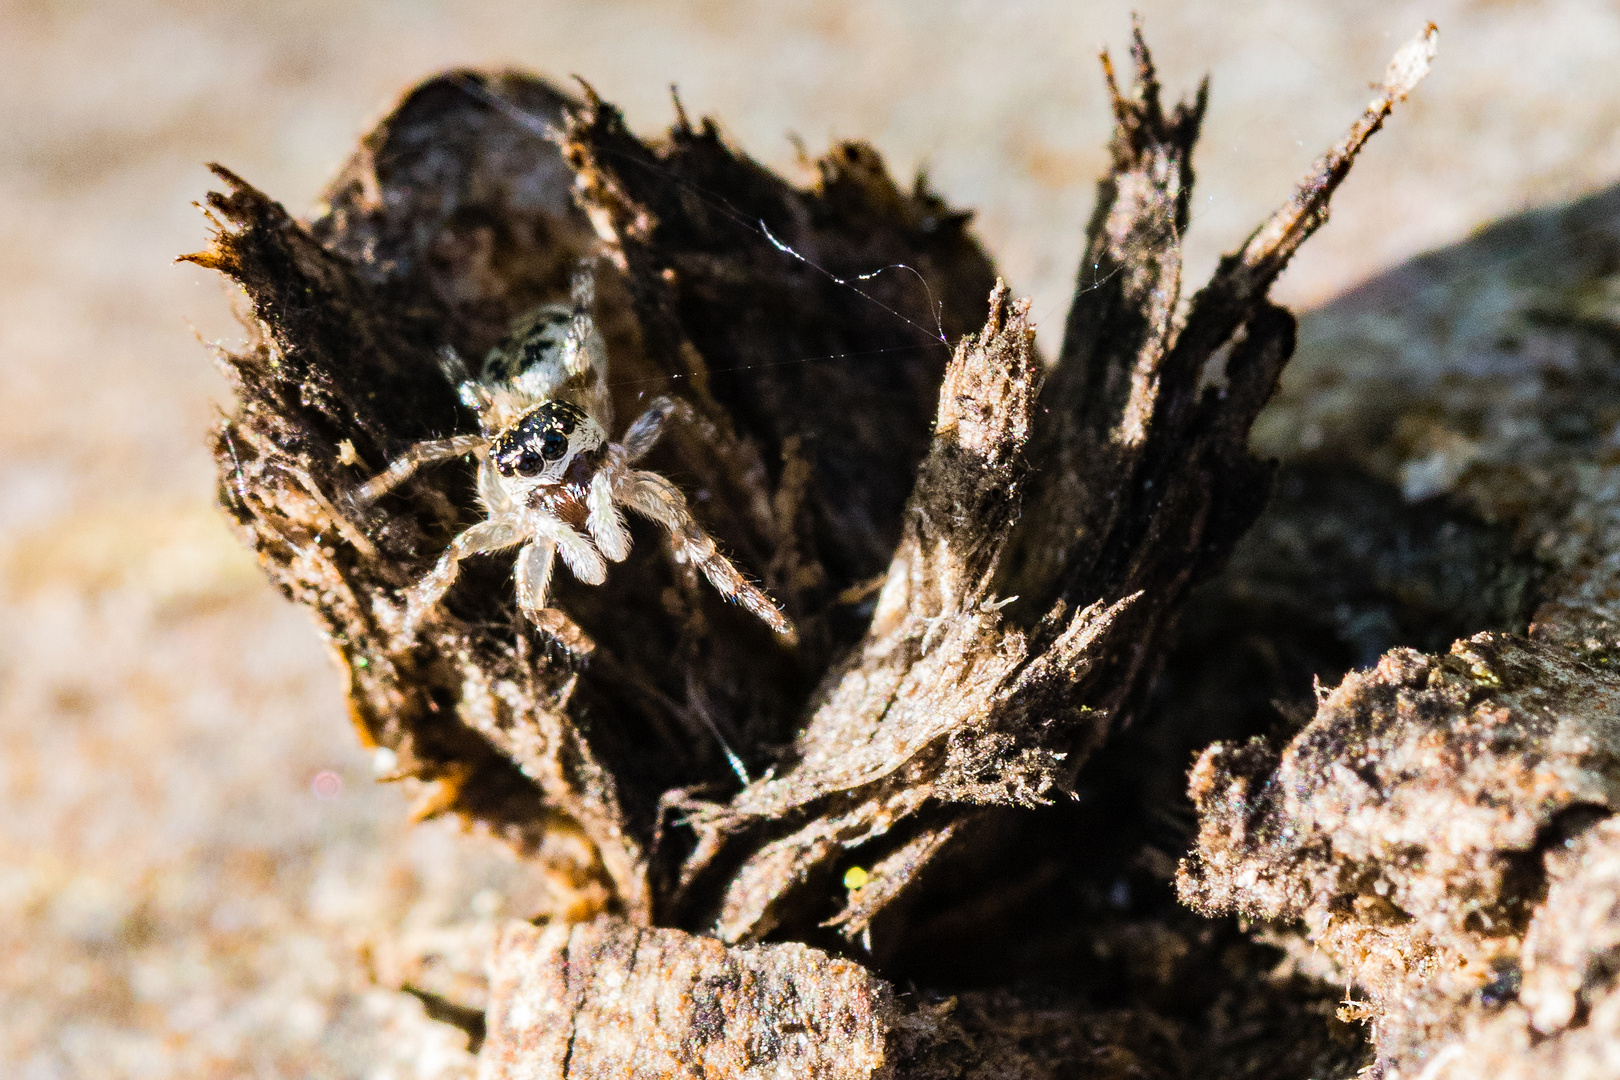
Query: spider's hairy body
549	478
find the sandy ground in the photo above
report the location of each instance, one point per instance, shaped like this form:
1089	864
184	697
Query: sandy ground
197	876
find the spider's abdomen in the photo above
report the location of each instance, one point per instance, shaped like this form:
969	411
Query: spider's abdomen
535	340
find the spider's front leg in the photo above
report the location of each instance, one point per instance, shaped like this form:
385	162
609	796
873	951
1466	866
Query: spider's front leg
553	536
648	427
578	553
604	521
404	467
651	496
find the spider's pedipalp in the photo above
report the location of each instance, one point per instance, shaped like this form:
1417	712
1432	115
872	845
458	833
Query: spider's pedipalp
490	489
404	467
654	497
605	521
578	553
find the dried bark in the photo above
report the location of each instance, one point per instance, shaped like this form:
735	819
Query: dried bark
987	558
1442	829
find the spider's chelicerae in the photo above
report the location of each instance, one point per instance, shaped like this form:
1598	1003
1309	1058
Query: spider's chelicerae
548	477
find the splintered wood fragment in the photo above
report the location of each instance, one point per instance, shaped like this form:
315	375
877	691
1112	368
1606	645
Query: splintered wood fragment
1244	277
888	879
613	1001
934	667
1093	516
1275	242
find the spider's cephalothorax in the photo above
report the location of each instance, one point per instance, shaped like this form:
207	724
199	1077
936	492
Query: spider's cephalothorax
550	480
545	443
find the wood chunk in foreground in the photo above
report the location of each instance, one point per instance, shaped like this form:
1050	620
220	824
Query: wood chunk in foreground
1417	827
609	999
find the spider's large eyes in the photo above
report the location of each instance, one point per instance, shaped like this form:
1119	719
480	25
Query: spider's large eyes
554	445
529	463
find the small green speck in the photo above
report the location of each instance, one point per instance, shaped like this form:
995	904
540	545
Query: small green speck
855	877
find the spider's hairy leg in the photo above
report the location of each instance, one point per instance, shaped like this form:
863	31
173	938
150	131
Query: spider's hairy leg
585	354
453	366
605	522
534	565
651	496
533	571
648	427
472	393
404	467
496	501
491	535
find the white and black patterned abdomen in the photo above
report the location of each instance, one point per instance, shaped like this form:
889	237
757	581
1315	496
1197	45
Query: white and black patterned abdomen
535	344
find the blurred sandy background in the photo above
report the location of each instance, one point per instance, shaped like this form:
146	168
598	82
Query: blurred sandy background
197	876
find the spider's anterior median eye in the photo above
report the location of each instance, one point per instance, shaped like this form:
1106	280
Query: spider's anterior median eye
541	439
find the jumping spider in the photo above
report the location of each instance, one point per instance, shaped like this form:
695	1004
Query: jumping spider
548	477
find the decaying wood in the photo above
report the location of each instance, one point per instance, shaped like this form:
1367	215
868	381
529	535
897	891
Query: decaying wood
611	999
1443	829
986	555
1408	824
948	701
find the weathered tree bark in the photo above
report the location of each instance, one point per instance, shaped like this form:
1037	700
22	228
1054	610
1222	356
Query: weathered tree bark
987	557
